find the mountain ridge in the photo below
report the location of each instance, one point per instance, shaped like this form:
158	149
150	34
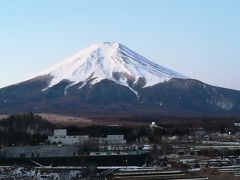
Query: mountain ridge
110	79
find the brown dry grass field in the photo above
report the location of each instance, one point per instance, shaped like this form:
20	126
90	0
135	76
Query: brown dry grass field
3	116
64	120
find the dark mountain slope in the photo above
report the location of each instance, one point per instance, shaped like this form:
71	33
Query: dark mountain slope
173	97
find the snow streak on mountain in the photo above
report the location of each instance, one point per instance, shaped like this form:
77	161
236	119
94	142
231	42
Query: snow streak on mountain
111	61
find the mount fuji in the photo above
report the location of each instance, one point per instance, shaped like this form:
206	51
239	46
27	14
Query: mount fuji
109	79
112	61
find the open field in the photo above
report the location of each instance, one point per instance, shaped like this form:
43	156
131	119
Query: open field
3	116
61	120
64	120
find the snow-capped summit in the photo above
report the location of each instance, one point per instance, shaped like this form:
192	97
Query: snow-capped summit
112	61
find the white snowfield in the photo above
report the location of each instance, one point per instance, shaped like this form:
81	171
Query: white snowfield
111	61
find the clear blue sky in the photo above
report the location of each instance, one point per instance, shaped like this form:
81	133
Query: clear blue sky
198	38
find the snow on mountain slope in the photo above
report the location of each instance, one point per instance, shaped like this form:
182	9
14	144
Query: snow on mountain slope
111	61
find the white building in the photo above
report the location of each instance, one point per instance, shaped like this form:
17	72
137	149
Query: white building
60	132
109	140
115	139
60	136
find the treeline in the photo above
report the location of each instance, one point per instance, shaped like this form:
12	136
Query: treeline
131	133
24	129
176	124
179	127
30	129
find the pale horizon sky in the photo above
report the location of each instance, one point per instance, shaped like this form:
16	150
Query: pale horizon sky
199	39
